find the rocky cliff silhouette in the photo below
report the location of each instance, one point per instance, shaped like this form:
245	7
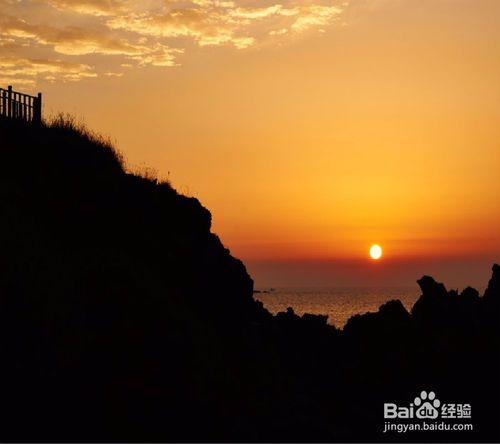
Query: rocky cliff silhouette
123	318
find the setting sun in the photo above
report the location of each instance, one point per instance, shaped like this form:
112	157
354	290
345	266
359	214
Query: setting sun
375	251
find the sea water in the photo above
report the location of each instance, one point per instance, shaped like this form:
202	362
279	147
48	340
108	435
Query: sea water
338	303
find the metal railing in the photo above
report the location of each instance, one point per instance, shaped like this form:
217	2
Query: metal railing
16	105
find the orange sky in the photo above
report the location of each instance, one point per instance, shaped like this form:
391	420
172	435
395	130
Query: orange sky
310	129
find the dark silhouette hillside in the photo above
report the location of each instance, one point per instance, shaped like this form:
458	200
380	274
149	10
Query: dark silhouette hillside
123	318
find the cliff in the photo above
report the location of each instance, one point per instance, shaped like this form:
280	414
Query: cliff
124	318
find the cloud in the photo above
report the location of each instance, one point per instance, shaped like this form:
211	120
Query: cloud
217	23
281	31
91	7
118	34
205	27
79	41
258	13
315	16
26	71
70	40
158	55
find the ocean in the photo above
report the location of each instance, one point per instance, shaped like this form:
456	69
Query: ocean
338	303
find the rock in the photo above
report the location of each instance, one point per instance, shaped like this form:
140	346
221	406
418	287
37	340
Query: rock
432	308
492	292
431	288
390	317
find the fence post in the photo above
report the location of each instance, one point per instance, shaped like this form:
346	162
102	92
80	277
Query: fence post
4	103
9	101
37	109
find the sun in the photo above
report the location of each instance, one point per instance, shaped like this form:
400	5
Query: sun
375	251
